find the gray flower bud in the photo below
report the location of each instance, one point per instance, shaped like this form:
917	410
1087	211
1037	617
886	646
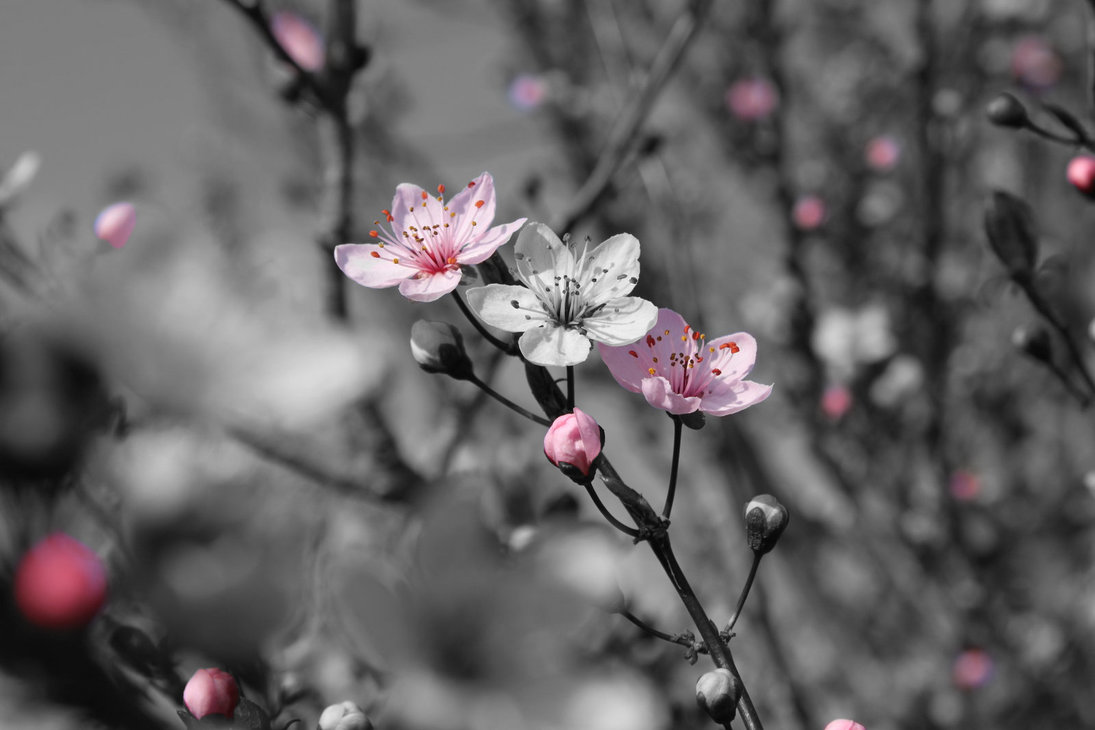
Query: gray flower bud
438	347
717	694
765	521
1007	111
344	716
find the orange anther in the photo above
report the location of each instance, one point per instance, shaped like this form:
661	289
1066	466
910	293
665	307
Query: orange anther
374	234
374	254
425	195
471	184
441	189
716	372
632	353
480	203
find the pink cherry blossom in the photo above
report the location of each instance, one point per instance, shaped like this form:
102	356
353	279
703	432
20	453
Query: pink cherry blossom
964	485
575	439
678	370
115	224
211	692
809	212
844	725
300	39
751	99
60	583
429	240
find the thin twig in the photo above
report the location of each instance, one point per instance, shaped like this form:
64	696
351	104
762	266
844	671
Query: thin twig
744	592
507	402
685	640
629	531
622	136
479	327
672	491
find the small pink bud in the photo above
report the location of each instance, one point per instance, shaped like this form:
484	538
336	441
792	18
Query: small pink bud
836	401
527	91
115	223
300	39
211	692
751	99
1081	173
964	485
574	439
883	153
972	669
60	583
809	212
844	725
1035	63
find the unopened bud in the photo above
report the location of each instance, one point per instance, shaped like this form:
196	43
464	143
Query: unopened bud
1007	111
844	725
572	443
717	694
1009	226
1033	342
211	692
438	347
1081	173
765	521
344	716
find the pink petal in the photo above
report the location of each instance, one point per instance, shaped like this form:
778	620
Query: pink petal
738	397
659	394
430	287
481	250
740	363
464	205
358	263
300	39
115	224
407	200
625	368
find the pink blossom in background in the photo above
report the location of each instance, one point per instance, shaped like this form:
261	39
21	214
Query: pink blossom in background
882	153
60	583
678	370
575	439
972	669
428	241
211	692
1035	63
1081	173
300	39
115	224
527	91
836	401
809	213
752	99
844	725
964	485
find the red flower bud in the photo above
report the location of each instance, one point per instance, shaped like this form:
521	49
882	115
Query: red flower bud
844	725
211	692
574	439
1081	173
60	583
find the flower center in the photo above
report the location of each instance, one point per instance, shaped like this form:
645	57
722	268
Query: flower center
690	366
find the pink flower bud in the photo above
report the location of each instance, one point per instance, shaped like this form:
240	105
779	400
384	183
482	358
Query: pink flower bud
809	212
211	692
115	224
844	725
344	716
1081	173
972	669
751	99
836	401
574	439
1035	63
964	485
883	153
60	583
300	39
527	91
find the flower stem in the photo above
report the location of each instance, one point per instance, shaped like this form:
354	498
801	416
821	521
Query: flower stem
629	531
507	402
672	492
744	592
681	639
570	388
1042	306
503	346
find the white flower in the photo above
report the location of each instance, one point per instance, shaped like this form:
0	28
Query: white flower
570	297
